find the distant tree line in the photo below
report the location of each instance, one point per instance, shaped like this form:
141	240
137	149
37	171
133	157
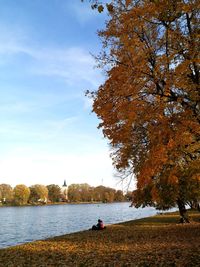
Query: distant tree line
41	194
87	193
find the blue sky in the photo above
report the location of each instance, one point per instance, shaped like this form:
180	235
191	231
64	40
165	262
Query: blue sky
47	130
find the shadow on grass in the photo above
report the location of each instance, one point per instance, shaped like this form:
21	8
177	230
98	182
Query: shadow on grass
165	218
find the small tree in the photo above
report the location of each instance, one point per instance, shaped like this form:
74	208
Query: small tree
119	196
74	193
54	192
38	193
6	193
21	194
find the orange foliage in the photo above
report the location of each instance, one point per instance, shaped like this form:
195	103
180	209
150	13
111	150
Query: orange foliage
155	241
149	103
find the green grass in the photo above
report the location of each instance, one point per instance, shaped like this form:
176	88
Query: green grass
153	241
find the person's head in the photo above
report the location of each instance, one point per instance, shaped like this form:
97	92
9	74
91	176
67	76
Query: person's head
99	220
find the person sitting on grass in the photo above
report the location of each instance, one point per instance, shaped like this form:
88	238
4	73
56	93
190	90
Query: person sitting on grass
99	226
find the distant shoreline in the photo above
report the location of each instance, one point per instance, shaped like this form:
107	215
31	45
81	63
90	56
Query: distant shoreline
61	203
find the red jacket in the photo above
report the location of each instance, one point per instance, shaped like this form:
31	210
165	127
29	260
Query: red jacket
101	226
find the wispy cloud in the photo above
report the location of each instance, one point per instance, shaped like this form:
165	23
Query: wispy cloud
12	40
47	130
57	126
19	107
72	64
27	100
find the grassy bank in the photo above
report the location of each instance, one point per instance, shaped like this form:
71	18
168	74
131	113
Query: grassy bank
153	241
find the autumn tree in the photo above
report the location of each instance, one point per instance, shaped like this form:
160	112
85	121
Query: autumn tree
80	192
149	103
38	193
54	192
86	192
119	196
74	193
6	193
104	194
21	194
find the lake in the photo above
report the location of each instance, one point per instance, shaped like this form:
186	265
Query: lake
19	225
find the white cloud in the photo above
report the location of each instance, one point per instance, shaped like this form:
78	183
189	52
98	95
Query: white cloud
72	64
19	107
45	131
61	124
11	40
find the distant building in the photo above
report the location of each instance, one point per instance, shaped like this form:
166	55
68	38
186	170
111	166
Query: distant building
64	191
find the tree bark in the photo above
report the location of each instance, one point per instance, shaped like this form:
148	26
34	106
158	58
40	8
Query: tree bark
182	211
198	206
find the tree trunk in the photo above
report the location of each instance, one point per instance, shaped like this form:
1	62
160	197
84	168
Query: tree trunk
198	207
182	211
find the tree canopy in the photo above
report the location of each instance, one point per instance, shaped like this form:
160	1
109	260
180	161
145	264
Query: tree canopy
38	192
21	194
54	192
149	104
6	193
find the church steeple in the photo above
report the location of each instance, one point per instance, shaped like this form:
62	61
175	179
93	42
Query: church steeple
64	185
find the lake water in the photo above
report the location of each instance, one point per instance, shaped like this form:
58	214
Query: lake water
19	225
